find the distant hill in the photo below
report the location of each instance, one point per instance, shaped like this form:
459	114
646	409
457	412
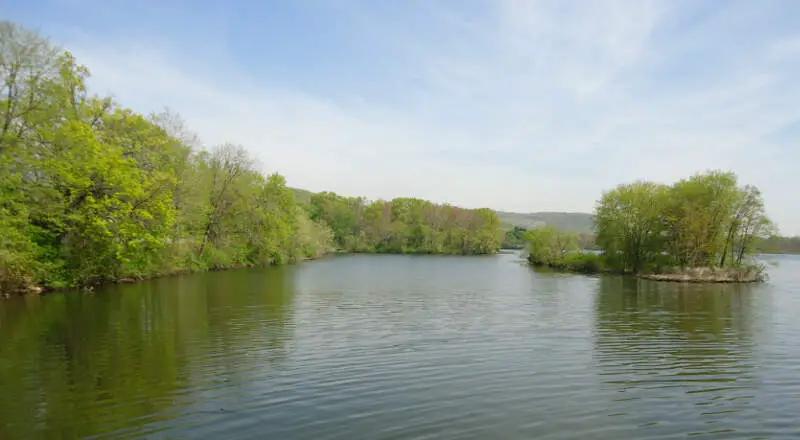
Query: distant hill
568	221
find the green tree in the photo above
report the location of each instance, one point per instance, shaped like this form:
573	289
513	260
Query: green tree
548	246
630	225
699	211
706	220
91	191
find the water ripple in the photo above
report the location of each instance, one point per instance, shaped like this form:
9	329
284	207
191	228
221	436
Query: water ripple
396	347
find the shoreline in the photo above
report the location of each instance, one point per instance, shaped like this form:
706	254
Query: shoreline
710	275
36	289
694	275
663	278
697	275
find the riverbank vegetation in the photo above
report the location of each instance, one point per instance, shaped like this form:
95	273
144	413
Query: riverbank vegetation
406	225
514	238
705	221
91	191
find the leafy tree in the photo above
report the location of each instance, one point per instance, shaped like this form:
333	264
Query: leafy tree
630	225
706	220
406	225
91	191
698	212
514	238
548	246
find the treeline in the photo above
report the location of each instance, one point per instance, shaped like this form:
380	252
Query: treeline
779	245
91	191
406	225
706	220
517	237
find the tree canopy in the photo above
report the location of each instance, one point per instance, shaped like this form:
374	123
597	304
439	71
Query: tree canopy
706	220
406	225
91	191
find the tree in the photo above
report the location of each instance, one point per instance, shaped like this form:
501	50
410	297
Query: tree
750	225
91	191
699	211
630	225
514	238
706	220
548	246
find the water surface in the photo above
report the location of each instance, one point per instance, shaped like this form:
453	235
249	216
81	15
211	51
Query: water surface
400	347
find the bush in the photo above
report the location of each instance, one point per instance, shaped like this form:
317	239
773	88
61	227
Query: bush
574	262
15	274
580	262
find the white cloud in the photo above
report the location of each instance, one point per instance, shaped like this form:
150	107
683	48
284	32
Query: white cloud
534	106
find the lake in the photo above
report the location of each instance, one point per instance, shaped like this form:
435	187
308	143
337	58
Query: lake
405	347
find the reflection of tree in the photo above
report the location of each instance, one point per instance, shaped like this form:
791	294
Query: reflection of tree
552	294
673	343
73	365
643	309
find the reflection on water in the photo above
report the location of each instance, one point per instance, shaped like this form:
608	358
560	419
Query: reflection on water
675	347
72	365
396	347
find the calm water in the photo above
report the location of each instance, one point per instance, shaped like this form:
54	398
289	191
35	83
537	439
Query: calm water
399	347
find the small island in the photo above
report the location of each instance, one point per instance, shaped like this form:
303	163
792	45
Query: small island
700	229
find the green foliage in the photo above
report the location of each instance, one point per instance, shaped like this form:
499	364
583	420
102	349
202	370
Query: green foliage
514	238
776	244
582	262
548	246
91	192
706	220
629	224
406	225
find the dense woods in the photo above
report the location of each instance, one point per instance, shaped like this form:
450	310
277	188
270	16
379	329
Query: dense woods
91	191
706	220
778	245
515	238
406	225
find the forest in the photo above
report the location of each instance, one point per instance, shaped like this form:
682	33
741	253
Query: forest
406	225
705	221
91	191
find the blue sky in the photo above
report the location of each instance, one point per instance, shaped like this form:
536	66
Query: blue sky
517	105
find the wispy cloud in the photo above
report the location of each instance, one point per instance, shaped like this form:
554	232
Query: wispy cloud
513	104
